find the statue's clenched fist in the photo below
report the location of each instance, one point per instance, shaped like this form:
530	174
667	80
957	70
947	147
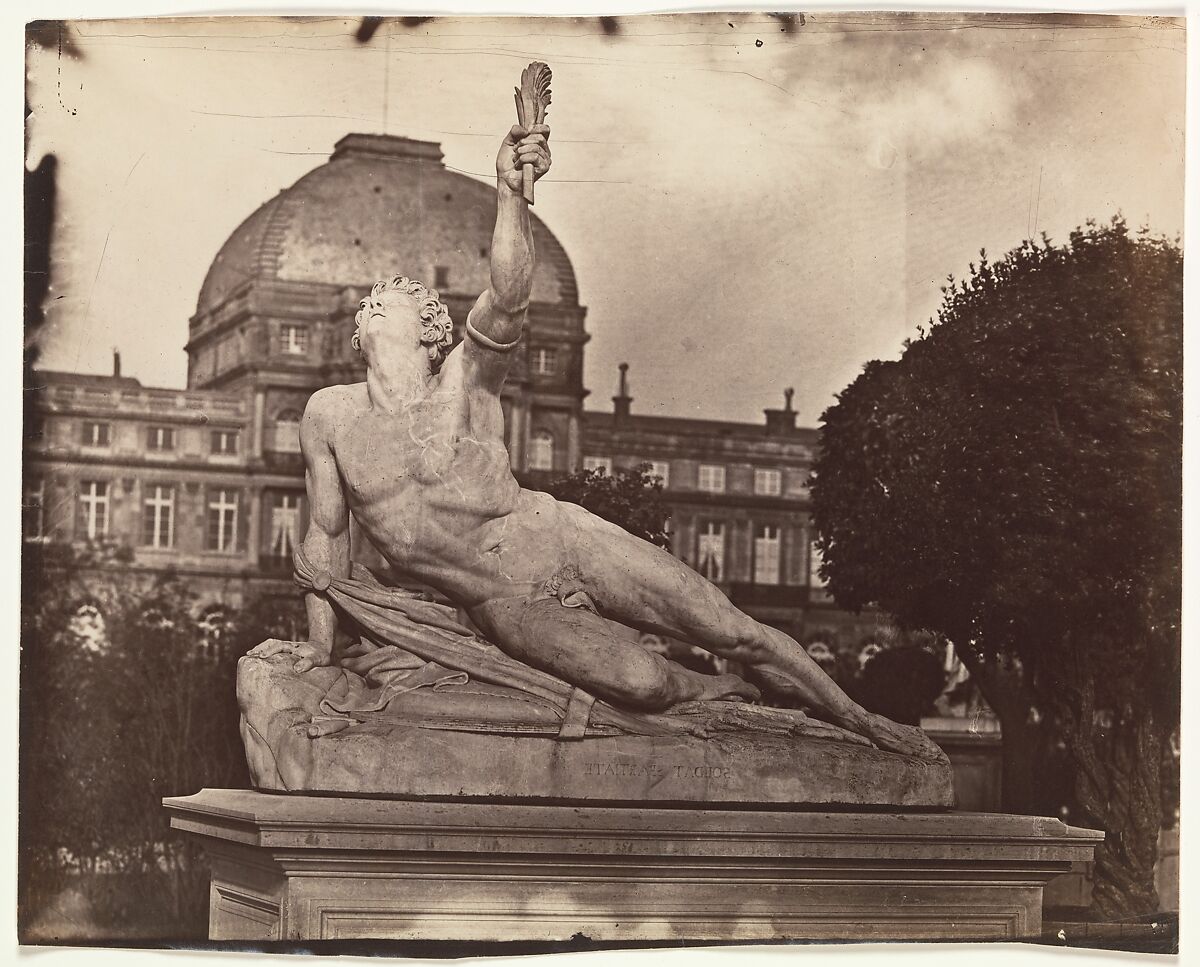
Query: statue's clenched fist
521	148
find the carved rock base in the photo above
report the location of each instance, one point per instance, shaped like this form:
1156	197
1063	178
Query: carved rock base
735	768
291	867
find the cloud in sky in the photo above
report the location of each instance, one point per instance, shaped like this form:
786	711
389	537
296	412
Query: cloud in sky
741	217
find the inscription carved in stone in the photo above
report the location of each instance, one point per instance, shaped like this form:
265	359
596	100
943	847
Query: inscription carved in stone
641	770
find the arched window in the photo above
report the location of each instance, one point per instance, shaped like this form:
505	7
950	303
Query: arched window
287	432
541	451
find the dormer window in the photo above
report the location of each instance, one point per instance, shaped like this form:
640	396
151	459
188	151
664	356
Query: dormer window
768	482
160	438
224	442
712	478
294	339
96	434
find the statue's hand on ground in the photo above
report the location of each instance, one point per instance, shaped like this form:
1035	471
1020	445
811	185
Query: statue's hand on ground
523	147
307	654
905	739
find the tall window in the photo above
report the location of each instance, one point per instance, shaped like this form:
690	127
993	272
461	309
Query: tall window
441	277
541	451
710	551
603	464
766	555
662	470
158	516
96	434
224	442
294	339
545	361
768	482
222	519
712	478
287	432
285	524
160	438
33	520
93	508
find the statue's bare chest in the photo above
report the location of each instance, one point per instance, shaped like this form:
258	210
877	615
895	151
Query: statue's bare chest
415	447
428	446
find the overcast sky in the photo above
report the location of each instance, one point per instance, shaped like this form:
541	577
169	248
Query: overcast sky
746	208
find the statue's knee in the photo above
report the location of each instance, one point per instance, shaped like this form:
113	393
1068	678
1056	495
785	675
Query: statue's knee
750	644
644	685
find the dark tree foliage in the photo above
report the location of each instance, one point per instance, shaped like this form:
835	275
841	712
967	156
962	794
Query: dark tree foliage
270	615
110	724
1013	481
630	498
902	683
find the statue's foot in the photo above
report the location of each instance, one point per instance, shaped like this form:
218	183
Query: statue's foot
905	739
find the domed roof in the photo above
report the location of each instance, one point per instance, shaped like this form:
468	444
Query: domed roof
381	206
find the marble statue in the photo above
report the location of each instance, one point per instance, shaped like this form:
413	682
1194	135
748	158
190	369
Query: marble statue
416	454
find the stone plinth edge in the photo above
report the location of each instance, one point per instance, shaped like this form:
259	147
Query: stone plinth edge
289	867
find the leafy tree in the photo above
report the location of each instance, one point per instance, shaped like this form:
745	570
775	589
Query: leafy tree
1013	481
60	725
176	731
901	683
115	714
269	615
630	498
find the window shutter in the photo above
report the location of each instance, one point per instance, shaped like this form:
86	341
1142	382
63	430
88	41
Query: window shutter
80	516
242	538
145	518
202	518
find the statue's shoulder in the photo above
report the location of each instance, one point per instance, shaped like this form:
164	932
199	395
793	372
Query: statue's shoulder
332	403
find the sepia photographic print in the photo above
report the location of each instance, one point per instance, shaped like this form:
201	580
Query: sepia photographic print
512	485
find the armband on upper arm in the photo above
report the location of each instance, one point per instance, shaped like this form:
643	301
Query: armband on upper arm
500	347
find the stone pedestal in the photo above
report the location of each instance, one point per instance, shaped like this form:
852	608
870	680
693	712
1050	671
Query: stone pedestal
291	867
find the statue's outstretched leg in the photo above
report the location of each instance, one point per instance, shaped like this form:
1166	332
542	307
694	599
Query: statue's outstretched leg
579	646
643	586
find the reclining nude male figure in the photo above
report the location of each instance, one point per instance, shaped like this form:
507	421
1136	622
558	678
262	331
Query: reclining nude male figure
417	454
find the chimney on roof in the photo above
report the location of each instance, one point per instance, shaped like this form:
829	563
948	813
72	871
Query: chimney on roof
782	422
622	400
116	361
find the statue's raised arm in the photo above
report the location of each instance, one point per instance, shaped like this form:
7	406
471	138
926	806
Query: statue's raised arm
495	323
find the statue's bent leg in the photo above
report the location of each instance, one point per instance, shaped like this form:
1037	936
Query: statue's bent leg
578	646
644	587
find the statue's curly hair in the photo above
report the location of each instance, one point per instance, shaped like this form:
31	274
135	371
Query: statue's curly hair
437	328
